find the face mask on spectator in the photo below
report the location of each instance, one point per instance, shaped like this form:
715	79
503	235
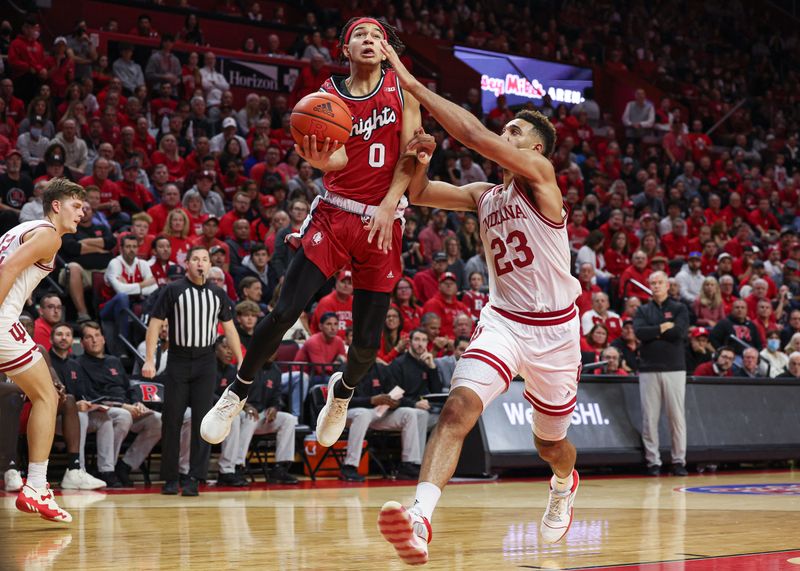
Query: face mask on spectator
36	132
773	344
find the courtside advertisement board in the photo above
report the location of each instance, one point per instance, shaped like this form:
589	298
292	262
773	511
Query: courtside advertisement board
523	80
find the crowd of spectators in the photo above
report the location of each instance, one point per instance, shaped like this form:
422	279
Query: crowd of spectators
170	161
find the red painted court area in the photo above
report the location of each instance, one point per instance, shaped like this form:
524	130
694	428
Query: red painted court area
772	561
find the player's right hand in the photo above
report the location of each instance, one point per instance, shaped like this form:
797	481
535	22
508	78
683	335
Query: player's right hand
423	145
149	370
318	158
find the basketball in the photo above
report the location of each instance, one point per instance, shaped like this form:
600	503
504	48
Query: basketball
321	114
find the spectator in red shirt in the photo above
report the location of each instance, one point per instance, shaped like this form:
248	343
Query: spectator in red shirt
699	143
431	238
176	229
140	229
143	140
325	346
722	366
109	191
474	298
266	174
404	299
577	230
133	196
241	207
675	143
170	200
588	287
445	304
714	210
15	107
500	115
426	282
675	244
708	258
735	209
616	256
601	314
726	287
762	219
310	78
168	154
162	266
638	271
26	59
51	312
339	302
701	236
765	319
613	362
393	341
595	342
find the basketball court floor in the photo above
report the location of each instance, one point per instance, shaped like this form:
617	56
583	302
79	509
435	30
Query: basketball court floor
733	521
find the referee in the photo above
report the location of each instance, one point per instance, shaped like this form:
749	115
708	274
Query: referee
193	309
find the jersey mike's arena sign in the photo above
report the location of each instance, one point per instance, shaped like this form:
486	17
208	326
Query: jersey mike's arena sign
523	79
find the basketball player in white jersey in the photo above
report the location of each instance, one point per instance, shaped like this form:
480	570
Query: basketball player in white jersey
530	326
27	254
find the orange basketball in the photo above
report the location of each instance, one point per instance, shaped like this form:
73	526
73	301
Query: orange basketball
321	114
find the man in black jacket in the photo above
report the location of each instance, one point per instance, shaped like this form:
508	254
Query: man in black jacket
738	325
109	381
371	407
261	415
661	325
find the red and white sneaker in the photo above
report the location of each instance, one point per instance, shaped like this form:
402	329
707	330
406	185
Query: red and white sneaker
558	516
407	530
42	502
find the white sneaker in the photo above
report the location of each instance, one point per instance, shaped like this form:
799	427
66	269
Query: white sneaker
217	422
76	479
408	532
13	480
558	516
333	416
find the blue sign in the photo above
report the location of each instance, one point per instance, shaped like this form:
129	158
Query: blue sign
523	79
791	489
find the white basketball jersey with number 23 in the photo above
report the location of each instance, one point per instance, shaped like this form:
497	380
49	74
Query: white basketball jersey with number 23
527	255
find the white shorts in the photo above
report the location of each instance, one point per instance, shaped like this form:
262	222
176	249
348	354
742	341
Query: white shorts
18	352
547	355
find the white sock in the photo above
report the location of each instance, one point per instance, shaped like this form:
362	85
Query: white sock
37	475
562	484
426	498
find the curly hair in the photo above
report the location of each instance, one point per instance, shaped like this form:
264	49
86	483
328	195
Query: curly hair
543	127
391	37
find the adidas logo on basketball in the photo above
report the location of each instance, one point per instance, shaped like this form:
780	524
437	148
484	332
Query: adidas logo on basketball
324	108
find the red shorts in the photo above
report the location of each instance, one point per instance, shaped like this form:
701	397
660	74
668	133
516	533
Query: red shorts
336	239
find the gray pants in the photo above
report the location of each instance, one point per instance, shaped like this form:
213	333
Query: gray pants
669	388
148	429
99	422
236	445
411	422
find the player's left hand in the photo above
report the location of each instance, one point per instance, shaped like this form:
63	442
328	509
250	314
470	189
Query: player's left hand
405	77
381	224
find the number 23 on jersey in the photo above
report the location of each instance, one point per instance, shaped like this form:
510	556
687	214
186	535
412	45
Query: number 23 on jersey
511	252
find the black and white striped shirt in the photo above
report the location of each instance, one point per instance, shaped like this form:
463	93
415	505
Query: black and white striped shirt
193	313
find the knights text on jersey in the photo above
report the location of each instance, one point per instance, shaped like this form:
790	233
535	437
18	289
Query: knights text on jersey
29	278
528	256
374	145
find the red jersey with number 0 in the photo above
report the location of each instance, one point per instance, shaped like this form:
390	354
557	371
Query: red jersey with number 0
374	144
527	254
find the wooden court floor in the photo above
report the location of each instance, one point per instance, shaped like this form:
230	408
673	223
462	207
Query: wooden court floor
640	523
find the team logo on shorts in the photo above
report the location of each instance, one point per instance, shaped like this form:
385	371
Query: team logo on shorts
316	238
790	489
390	275
366	219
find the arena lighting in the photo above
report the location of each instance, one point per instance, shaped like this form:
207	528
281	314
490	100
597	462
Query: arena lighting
523	79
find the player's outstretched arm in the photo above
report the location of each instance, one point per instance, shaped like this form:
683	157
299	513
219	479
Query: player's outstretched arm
465	127
383	221
436	194
40	245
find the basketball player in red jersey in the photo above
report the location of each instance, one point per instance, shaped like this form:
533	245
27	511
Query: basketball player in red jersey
530	326
357	224
27	253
